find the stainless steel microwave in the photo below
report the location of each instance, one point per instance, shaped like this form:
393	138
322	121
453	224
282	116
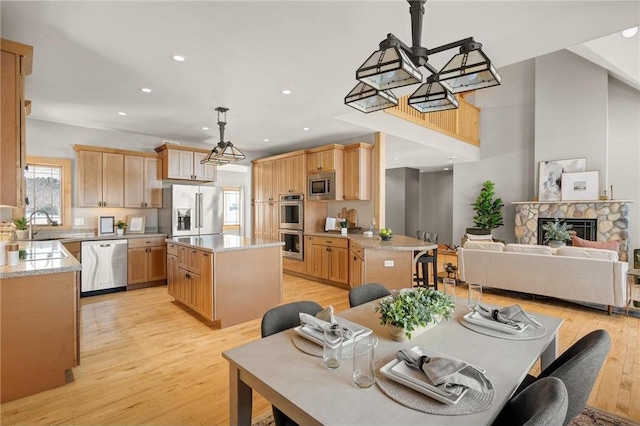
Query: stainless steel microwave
321	186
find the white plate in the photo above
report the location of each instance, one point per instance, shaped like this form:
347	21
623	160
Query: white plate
317	336
416	380
477	319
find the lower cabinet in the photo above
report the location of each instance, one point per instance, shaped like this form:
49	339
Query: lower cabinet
190	278
146	262
328	258
356	265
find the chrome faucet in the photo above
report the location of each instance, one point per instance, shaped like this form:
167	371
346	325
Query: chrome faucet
30	221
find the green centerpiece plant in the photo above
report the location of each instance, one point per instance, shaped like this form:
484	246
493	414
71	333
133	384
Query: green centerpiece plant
413	309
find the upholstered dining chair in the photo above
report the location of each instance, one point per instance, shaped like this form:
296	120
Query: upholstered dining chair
366	293
283	318
578	368
543	403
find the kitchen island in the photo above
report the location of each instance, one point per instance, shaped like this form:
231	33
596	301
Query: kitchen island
39	335
227	279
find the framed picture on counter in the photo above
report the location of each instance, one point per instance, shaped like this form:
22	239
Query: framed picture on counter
135	223
106	225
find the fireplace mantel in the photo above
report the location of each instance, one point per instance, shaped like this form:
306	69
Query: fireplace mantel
612	216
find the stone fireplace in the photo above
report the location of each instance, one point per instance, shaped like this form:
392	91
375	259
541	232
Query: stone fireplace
612	219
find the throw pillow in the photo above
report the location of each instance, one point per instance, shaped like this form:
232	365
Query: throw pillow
474	237
529	249
606	245
484	245
588	253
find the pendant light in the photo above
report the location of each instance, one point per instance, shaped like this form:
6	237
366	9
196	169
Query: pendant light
432	96
471	69
367	99
224	152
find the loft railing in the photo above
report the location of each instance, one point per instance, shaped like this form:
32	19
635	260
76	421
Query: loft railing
460	123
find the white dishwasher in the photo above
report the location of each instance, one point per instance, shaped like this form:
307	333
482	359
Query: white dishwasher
104	267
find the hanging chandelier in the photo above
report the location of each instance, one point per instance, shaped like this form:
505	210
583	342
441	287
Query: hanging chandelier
224	152
396	65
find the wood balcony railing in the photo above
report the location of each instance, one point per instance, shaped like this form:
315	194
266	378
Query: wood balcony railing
460	123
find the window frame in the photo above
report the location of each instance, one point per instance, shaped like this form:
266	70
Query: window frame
238	190
65	190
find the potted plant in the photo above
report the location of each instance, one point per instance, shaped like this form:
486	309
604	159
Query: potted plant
411	312
488	210
556	233
120	227
21	224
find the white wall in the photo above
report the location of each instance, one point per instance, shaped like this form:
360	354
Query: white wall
506	156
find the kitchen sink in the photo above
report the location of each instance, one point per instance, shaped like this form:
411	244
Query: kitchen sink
41	254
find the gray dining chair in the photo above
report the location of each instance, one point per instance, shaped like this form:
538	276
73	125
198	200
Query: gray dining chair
421	275
578	368
283	318
366	293
543	403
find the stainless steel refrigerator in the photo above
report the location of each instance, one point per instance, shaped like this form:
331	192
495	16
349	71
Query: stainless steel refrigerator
189	210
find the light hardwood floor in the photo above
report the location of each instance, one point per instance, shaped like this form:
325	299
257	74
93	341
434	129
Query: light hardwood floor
146	360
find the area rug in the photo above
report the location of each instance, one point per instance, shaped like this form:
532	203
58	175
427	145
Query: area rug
588	417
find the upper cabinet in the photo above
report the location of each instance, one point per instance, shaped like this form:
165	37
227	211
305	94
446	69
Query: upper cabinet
291	174
16	62
100	179
142	181
265	181
357	171
326	158
183	163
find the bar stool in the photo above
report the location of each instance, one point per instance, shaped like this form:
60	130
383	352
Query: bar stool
423	261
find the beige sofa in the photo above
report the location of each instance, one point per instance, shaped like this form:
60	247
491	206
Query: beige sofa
579	274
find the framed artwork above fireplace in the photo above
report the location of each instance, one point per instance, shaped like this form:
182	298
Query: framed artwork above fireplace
550	176
580	186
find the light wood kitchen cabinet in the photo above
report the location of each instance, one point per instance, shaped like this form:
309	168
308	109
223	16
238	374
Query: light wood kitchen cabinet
265	181
356	265
328	258
100	179
357	172
291	174
265	221
142	181
74	249
146	262
183	163
16	59
191	278
172	270
326	158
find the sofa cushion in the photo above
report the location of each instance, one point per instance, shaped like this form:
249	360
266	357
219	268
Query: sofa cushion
484	245
588	253
474	237
606	245
529	248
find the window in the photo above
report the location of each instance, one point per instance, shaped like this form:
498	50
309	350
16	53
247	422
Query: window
48	183
231	207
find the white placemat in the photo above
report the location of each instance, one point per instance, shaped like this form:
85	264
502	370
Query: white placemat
472	402
528	333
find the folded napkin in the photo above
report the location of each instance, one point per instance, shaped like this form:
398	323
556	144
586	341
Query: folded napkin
449	374
323	318
512	315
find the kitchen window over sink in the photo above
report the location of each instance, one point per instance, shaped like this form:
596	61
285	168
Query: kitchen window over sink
48	184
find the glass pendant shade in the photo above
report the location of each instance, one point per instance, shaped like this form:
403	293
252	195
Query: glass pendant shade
469	70
224	152
388	68
367	99
230	154
431	97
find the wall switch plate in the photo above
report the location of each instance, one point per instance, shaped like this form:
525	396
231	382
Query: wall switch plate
78	221
388	263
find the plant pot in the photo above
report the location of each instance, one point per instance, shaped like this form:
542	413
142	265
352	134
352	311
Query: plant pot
556	244
119	231
399	334
478	231
22	234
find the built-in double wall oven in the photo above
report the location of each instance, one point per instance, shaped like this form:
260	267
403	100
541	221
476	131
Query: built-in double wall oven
291	220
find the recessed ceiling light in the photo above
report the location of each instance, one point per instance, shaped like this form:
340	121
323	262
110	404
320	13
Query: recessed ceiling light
286	91
265	140
204	128
145	90
395	158
178	58
446	168
122	113
305	128
630	32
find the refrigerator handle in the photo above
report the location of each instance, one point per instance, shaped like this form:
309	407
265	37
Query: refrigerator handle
200	208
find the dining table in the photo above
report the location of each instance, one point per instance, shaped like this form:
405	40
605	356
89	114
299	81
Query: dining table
310	394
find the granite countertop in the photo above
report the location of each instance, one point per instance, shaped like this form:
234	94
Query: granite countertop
220	243
90	236
398	242
45	257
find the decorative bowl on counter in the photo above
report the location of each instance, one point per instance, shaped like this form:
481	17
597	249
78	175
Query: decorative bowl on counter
386	237
386	234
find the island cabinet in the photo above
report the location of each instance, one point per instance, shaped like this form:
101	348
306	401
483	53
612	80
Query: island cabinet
100	178
146	262
190	279
183	163
328	258
143	181
356	264
16	59
357	172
